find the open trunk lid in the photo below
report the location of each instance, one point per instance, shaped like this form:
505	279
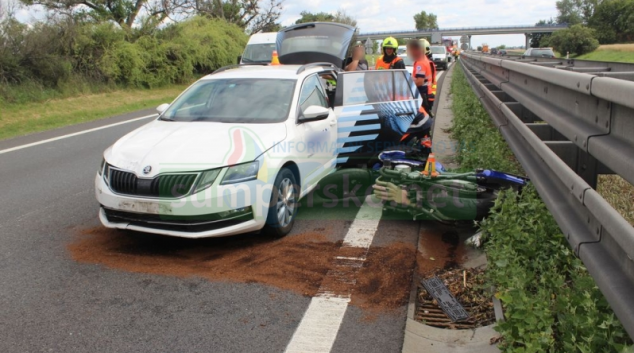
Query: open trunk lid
313	42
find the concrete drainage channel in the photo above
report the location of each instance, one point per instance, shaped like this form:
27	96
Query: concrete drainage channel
456	337
432	253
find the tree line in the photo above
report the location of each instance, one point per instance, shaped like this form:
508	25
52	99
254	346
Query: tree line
591	23
86	46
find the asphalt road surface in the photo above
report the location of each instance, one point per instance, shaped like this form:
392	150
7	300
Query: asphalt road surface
58	294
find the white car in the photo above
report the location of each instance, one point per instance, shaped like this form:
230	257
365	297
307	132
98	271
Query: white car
409	63
441	56
236	151
259	49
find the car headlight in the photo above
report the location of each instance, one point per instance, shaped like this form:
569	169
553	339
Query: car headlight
103	163
241	172
106	173
206	179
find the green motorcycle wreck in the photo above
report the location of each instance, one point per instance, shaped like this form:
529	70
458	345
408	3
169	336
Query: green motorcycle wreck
417	185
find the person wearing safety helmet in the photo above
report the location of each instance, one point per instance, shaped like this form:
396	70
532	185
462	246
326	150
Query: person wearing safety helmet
431	96
390	59
422	73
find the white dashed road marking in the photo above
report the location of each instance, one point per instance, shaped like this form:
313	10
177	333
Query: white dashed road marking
320	324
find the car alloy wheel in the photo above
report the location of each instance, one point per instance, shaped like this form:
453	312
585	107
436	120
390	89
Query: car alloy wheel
286	202
283	205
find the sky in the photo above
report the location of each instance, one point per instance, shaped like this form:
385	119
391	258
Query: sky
382	15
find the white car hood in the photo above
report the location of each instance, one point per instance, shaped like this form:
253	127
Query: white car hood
191	146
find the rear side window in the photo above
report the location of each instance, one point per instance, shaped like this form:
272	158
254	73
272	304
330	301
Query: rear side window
402	87
368	87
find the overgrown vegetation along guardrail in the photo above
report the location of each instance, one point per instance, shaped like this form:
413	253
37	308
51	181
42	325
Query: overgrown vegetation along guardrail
551	303
64	58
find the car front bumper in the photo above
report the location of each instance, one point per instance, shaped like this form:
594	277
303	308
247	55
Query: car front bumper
224	212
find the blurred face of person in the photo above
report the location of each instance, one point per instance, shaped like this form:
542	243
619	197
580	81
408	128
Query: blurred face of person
413	53
389	51
358	53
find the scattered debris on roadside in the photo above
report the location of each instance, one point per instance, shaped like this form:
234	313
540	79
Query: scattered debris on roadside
496	340
469	288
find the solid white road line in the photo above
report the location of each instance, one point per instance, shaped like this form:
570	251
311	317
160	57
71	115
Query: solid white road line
75	134
320	324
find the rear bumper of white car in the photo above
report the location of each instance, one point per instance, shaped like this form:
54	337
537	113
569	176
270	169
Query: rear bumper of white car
201	215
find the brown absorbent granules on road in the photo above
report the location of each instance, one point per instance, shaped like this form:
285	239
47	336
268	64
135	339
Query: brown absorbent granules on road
385	281
439	250
296	263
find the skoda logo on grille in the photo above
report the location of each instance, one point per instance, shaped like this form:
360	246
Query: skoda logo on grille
147	169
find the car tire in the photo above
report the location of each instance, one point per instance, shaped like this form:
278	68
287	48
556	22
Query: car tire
283	204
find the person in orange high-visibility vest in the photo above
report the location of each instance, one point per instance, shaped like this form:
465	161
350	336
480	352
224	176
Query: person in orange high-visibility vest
433	84
422	72
389	60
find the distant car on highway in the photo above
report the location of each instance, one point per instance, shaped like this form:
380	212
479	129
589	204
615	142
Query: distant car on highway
259	49
409	63
502	52
440	56
237	150
539	53
494	51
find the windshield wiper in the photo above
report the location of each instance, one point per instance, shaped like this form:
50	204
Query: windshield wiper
166	119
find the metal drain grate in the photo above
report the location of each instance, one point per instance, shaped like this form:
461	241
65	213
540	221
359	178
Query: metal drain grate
472	297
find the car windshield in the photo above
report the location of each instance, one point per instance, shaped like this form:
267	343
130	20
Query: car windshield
542	52
254	53
234	100
407	61
438	50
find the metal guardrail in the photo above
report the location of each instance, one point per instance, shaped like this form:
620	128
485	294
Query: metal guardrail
565	128
624	71
450	29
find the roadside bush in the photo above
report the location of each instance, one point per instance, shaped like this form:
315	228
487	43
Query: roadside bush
551	302
577	40
481	145
63	58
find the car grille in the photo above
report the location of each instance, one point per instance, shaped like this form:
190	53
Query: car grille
163	186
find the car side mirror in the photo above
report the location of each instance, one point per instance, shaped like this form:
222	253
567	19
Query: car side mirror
313	113
162	108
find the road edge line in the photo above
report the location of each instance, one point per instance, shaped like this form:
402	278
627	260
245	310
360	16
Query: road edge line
16	148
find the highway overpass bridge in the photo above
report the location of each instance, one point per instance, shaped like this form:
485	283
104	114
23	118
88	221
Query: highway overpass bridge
437	34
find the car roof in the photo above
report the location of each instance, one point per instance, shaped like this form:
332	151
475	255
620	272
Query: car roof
264	71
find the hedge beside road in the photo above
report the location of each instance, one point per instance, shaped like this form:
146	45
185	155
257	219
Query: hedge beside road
551	303
62	58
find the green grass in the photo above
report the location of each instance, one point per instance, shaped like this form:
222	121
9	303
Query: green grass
618	193
26	118
481	145
613	52
551	302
